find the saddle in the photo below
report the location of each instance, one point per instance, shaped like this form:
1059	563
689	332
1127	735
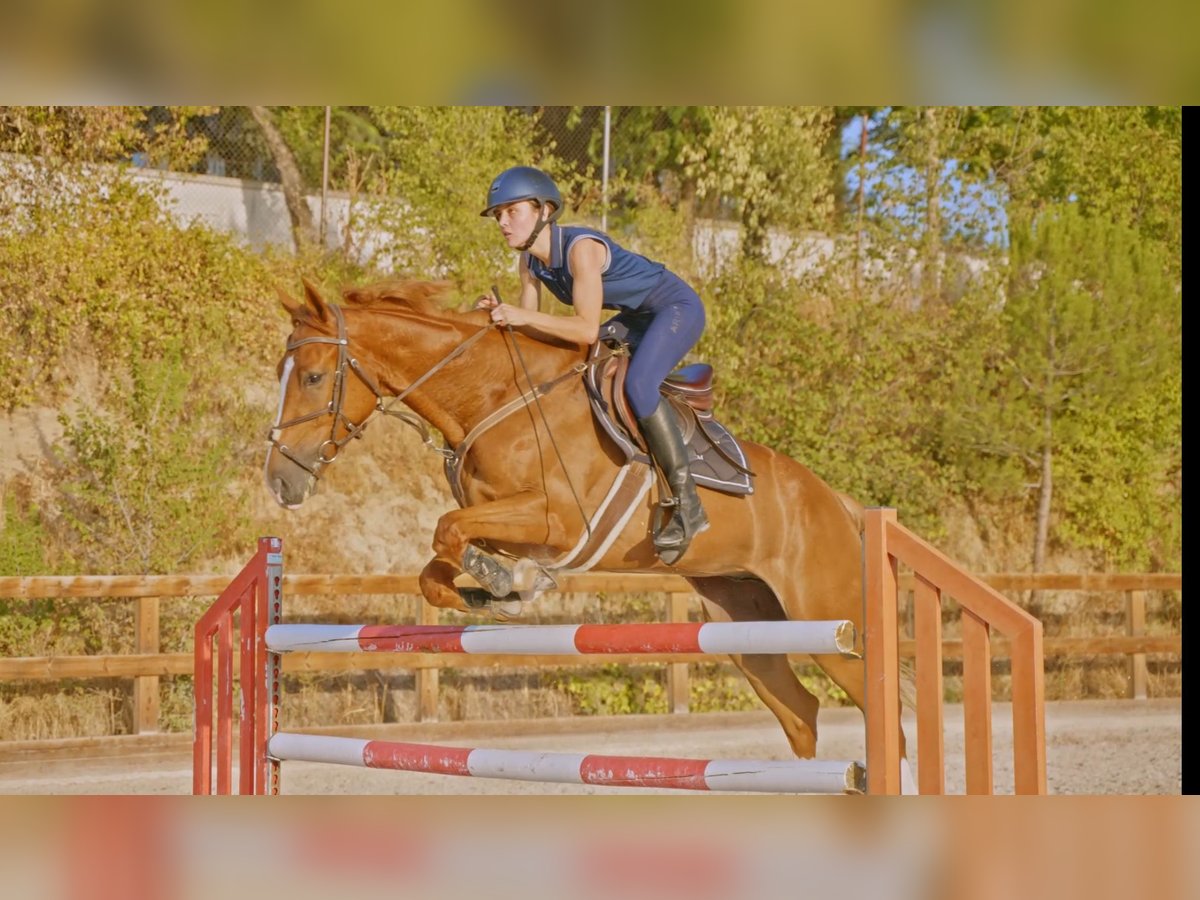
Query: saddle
716	458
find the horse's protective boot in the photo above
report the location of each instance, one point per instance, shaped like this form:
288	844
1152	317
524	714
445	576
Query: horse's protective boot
685	514
489	572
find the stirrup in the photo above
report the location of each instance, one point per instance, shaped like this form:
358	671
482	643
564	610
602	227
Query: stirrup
673	552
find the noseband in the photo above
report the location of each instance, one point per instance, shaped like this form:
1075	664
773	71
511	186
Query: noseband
334	407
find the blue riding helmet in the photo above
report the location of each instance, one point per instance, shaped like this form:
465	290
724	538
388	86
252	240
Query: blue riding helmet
523	183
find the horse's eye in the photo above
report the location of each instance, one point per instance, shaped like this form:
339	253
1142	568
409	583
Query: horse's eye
312	379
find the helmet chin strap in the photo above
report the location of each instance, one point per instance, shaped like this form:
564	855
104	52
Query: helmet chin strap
537	229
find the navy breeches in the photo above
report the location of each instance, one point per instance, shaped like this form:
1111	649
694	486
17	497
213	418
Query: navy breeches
661	332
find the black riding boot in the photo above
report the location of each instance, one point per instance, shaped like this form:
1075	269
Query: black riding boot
687	516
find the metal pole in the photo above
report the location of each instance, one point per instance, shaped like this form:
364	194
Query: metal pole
604	176
324	176
862	191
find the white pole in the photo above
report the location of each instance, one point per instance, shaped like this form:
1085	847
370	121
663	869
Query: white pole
324	177
604	182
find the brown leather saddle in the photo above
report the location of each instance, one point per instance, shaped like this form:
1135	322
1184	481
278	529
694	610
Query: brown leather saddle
716	458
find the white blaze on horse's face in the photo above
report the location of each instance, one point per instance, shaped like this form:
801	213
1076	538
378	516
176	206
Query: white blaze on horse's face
276	483
288	363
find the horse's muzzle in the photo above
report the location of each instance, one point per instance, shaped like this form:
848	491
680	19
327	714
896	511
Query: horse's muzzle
288	482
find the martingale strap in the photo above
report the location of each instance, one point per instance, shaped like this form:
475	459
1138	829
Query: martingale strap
456	457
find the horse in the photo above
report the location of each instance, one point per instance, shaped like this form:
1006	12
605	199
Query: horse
528	459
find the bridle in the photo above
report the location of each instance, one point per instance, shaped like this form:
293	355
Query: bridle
334	406
452	456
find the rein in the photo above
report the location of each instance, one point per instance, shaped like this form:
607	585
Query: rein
579	368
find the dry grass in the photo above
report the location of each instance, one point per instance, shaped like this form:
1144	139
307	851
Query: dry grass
52	711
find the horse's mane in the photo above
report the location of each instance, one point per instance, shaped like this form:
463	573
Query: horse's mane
401	295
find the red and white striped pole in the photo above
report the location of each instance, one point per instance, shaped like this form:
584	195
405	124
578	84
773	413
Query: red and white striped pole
818	637
797	776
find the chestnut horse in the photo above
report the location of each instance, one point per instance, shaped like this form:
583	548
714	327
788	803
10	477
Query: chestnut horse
791	549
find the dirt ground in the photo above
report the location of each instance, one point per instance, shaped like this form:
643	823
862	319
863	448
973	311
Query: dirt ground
1092	748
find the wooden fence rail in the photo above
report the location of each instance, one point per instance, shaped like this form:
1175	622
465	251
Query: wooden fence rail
146	665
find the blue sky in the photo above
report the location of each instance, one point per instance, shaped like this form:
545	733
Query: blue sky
967	204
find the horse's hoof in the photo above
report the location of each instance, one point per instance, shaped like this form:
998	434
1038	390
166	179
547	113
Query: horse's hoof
501	608
475	598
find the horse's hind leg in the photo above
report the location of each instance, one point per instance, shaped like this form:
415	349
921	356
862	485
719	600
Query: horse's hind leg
850	675
771	676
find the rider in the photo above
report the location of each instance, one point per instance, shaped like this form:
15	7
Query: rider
588	270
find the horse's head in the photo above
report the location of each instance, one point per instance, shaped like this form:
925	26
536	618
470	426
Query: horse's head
320	406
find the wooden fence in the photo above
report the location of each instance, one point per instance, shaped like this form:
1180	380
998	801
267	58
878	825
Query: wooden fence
146	665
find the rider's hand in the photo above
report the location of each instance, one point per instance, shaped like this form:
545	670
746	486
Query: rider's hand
505	314
487	301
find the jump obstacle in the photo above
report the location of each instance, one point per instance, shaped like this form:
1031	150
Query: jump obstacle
800	776
255	596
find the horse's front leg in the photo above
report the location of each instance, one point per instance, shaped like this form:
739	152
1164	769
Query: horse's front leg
437	585
520	519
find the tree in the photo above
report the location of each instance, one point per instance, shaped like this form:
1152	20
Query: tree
769	164
1122	163
1090	323
437	165
652	147
352	135
1120	487
303	230
94	134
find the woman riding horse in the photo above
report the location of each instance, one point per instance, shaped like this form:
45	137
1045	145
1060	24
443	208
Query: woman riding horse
589	271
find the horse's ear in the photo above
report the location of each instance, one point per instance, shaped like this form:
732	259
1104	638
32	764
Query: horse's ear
316	301
293	308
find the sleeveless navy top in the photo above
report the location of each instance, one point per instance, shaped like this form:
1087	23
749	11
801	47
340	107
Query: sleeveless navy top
627	277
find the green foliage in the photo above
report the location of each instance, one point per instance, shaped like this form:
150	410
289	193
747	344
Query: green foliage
656	230
856	388
920	188
1090	326
770	165
145	479
437	166
616	690
1119	163
155	329
74	134
713	688
1119	484
651	141
22	538
353	135
104	274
